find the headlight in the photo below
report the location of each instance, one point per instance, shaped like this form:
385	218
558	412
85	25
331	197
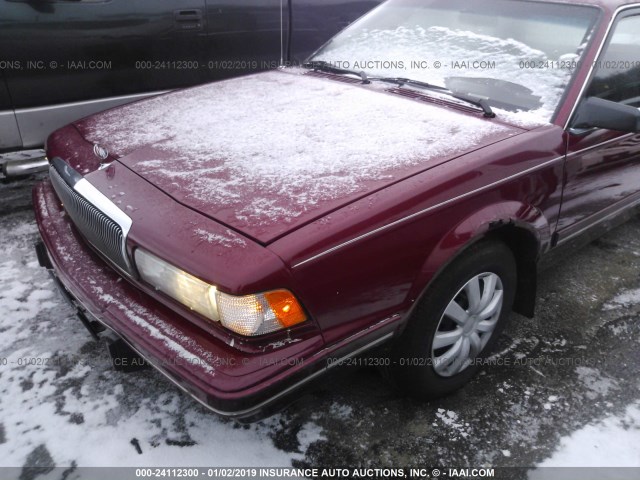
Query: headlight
186	289
249	315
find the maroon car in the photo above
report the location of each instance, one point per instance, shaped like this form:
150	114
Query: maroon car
401	189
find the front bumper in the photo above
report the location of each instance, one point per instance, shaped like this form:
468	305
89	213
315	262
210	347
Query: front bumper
224	379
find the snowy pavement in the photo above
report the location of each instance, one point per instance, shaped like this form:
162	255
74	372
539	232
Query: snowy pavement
564	389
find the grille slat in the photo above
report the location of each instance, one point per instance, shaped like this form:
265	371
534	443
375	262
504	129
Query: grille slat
97	228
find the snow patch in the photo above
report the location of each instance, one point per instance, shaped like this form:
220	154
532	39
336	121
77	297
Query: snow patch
229	241
308	434
596	383
625	299
342	412
612	442
451	420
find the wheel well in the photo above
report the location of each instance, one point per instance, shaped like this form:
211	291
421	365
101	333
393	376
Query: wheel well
525	248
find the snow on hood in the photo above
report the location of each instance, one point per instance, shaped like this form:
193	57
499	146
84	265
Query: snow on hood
267	152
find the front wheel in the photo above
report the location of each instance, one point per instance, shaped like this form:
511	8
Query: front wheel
456	322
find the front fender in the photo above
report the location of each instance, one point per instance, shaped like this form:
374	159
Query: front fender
475	227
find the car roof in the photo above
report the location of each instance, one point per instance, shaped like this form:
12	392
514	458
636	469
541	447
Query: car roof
607	5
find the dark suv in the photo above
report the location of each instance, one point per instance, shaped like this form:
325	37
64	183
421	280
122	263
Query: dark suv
61	60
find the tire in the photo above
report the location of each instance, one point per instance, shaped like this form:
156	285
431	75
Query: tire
425	372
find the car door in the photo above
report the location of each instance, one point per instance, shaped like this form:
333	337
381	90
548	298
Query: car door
72	55
603	166
9	133
245	36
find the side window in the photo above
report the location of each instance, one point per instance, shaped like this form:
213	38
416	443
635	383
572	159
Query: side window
617	75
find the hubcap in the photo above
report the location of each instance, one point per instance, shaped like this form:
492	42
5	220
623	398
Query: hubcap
467	324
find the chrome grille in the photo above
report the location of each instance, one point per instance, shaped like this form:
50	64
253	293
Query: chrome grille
98	229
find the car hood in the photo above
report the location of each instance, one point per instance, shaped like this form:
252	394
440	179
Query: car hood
268	153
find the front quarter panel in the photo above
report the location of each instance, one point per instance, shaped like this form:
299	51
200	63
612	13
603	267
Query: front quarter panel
372	259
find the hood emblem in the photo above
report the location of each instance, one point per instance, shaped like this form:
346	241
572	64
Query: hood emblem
100	152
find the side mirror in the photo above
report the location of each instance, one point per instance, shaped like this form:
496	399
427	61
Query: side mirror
594	112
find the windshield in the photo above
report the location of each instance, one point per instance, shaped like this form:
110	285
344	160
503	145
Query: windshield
521	55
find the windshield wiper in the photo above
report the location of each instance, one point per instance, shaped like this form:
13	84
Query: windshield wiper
477	100
414	83
324	66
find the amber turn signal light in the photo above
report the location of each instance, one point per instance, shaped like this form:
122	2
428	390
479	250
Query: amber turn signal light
285	307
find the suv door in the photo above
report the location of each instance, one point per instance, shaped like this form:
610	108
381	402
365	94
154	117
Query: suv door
82	52
245	36
316	21
603	166
9	133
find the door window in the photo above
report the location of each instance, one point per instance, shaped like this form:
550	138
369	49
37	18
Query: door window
617	76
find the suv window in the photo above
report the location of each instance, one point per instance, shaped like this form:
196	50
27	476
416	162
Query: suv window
617	76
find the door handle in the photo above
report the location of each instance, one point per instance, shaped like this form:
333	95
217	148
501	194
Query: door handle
188	20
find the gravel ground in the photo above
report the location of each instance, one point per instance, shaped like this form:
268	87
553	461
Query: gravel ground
573	365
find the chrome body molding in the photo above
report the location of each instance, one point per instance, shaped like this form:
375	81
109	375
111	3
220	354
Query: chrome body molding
589	223
430	209
599	145
245	413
